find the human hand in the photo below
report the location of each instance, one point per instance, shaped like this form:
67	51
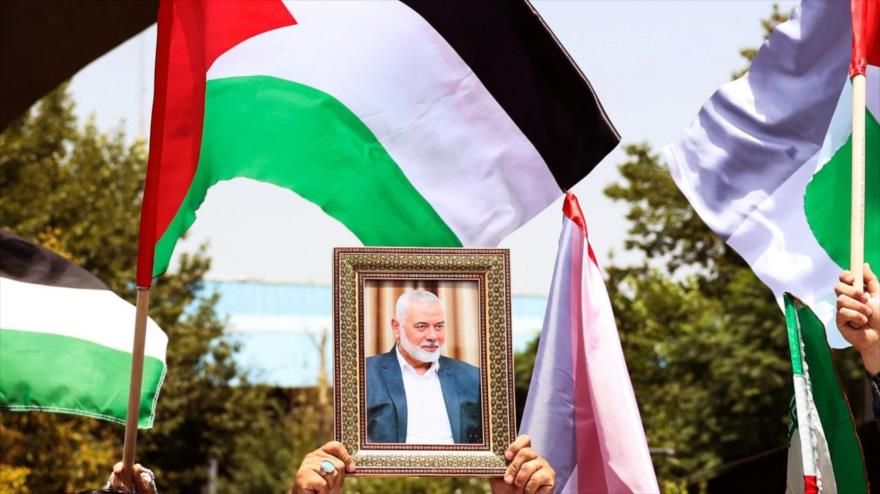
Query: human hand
311	478
858	316
144	482
528	472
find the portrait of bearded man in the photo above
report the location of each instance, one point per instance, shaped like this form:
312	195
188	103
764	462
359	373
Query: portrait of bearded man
416	394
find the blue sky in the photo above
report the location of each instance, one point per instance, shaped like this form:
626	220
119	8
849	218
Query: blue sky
653	63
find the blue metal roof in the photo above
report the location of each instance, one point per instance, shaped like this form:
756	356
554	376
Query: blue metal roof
279	325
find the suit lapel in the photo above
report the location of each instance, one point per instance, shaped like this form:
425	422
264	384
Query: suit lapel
449	385
391	372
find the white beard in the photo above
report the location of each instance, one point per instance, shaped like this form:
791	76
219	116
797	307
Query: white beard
418	353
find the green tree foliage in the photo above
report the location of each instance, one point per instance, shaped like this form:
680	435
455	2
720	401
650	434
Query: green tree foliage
78	191
704	339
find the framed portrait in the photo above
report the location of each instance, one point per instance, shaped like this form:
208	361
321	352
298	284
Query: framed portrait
423	360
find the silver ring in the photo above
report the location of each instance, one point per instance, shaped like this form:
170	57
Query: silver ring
327	467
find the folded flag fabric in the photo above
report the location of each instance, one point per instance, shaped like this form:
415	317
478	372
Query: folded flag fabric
825	455
767	162
72	35
412	123
866	35
581	411
66	339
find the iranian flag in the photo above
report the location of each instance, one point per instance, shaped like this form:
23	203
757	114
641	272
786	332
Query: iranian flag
411	122
825	455
65	339
767	162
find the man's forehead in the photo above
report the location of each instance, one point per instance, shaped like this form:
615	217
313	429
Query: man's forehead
418	307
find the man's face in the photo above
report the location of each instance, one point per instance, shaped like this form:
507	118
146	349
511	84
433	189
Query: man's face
424	328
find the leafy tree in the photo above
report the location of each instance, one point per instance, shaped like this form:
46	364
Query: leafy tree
77	191
704	340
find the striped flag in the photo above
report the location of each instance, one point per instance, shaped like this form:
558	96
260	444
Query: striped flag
767	163
411	122
66	339
825	455
581	411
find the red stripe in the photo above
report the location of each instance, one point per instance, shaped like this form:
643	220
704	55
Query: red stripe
584	423
866	35
811	486
192	35
571	208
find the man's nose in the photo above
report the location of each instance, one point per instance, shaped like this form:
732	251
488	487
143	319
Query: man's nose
432	334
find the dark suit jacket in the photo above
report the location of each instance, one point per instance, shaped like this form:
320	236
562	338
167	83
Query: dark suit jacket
386	399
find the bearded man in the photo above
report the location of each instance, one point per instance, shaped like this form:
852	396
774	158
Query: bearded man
415	394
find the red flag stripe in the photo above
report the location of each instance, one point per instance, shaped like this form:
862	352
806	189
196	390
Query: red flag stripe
571	208
866	35
192	35
811	486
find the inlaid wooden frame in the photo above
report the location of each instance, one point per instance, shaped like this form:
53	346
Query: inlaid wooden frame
358	270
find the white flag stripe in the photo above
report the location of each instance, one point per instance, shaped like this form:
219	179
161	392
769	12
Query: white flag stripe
807	447
98	316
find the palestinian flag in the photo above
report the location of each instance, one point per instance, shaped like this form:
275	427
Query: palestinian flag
825	455
66	339
767	162
417	123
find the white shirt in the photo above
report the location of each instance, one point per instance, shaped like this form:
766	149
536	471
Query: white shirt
426	418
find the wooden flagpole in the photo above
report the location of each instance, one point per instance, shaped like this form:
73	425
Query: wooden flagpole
134	387
857	215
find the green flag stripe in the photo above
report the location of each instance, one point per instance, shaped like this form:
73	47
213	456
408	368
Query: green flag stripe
794	346
827	201
304	140
834	412
54	373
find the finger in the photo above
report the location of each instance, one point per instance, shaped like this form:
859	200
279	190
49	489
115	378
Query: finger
310	481
337	486
542	479
846	278
337	449
117	483
850	319
525	474
117	479
524	455
849	291
337	476
141	484
850	303
872	283
545	489
523	441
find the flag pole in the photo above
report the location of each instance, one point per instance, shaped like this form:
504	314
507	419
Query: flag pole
134	387
857	216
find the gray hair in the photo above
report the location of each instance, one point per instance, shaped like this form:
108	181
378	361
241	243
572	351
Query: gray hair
410	296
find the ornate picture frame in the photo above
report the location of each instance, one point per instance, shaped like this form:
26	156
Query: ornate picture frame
472	287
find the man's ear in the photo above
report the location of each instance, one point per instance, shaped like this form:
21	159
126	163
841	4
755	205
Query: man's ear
395	326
